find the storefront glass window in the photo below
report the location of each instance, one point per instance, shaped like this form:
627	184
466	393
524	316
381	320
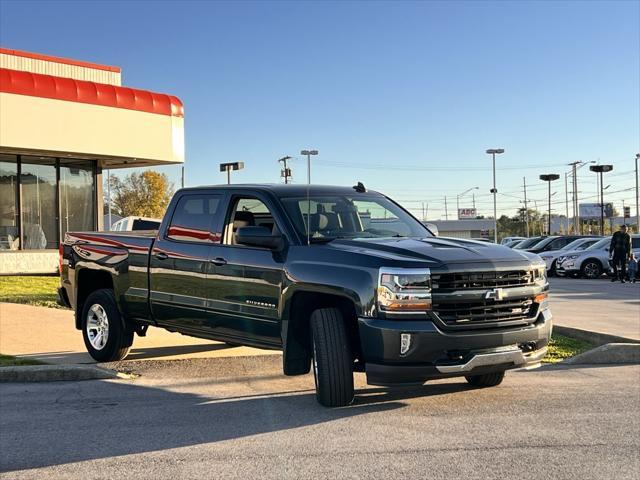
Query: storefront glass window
76	196
39	219
9	234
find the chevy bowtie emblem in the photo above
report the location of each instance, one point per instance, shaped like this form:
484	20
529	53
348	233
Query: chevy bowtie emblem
495	294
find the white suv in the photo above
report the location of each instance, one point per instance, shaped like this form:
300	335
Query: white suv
592	262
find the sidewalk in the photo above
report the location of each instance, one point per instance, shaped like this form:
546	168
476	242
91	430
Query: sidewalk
49	335
596	305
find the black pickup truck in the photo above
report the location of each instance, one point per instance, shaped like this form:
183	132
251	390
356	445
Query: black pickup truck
340	279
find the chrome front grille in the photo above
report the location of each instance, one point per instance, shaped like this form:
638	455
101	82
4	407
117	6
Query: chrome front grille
443	282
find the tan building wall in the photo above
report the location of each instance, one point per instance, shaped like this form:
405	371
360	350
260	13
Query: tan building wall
128	137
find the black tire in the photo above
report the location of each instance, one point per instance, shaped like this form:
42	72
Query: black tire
119	336
552	270
591	269
486	380
332	360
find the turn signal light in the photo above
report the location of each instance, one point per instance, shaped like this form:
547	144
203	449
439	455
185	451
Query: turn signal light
541	297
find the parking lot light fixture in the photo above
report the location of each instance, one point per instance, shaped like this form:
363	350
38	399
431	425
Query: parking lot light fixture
549	178
600	169
493	152
308	153
228	167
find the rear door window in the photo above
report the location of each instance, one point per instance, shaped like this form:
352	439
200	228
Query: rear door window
196	219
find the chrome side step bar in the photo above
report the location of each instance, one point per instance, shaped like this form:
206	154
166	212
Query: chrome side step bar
515	357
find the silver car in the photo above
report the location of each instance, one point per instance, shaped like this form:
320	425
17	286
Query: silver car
551	257
592	262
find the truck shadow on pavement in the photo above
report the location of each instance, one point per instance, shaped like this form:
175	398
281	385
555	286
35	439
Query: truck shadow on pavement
63	422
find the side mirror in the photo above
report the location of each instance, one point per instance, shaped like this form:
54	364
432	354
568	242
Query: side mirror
259	237
433	228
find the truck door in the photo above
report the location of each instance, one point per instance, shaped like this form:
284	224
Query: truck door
245	283
180	258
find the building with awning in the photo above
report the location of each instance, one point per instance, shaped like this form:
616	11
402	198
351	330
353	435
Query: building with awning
62	122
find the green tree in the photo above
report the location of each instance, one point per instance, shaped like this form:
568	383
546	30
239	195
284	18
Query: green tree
143	194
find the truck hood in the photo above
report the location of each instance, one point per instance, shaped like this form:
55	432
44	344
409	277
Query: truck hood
438	251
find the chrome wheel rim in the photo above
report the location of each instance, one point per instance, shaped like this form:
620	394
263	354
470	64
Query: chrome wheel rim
97	326
591	270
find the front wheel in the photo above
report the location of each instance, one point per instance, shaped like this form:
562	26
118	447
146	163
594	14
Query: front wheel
106	337
486	380
332	361
591	269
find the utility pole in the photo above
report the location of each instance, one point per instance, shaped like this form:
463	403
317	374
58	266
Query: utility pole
576	213
446	212
182	177
526	207
424	216
286	171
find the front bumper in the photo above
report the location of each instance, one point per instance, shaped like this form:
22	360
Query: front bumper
435	353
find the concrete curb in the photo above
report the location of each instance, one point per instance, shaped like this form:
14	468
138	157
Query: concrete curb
595	338
611	353
55	373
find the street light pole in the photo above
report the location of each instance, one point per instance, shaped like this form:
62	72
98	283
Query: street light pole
227	167
492	152
549	178
637	197
526	207
600	169
308	153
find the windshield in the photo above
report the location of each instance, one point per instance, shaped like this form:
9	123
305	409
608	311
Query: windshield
527	243
601	244
579	244
542	243
351	216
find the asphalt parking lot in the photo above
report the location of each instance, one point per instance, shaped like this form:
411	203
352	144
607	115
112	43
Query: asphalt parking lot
188	416
551	423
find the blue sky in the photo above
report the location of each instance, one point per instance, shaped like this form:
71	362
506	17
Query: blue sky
403	96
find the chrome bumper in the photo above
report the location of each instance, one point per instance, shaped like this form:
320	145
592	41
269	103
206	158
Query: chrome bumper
512	356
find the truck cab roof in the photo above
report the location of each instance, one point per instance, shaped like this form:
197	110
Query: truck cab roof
284	190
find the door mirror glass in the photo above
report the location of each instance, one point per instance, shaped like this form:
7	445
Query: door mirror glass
256	236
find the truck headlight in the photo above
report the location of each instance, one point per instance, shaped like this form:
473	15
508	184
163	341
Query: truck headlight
404	289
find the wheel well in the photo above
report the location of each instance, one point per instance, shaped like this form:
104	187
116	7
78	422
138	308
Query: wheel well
89	281
304	303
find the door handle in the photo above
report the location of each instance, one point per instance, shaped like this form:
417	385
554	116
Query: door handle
161	256
218	261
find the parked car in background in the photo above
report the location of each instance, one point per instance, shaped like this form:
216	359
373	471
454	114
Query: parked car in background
553	242
507	240
591	262
527	243
550	257
130	224
513	243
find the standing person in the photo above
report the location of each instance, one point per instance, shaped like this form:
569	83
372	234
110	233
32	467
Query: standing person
620	252
632	268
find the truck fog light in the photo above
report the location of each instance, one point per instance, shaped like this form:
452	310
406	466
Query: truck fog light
405	343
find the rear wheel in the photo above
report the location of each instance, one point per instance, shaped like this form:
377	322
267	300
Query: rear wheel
105	334
486	380
591	269
332	360
552	270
